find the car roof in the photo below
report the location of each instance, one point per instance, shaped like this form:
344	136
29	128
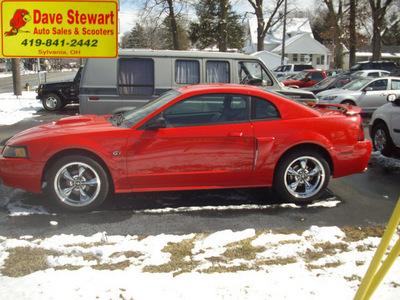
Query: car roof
220	87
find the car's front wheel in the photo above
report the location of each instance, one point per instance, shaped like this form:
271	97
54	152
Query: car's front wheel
301	176
77	183
52	102
381	139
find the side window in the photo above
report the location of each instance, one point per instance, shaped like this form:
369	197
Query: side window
187	72
253	73
378	85
395	85
217	72
207	110
316	76
373	74
262	109
136	76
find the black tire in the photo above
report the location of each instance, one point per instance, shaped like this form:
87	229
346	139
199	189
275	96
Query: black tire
77	183
348	102
381	139
301	176
52	102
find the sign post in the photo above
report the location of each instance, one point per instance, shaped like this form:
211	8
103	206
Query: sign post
42	28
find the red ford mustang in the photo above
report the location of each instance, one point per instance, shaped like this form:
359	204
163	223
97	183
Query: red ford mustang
195	137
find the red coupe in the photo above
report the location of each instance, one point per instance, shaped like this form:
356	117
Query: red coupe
194	137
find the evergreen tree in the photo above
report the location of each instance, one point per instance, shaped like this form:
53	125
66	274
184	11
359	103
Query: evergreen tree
209	31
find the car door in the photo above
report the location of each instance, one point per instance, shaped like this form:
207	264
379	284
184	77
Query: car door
208	141
395	113
374	95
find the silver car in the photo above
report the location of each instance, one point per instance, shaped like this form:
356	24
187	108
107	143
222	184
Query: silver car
384	127
368	93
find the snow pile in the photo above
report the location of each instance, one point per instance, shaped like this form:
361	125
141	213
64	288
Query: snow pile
320	263
14	109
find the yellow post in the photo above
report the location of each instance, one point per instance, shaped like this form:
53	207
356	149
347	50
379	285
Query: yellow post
372	278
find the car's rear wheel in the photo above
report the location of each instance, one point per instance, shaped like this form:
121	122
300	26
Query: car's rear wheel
77	183
52	102
381	139
301	176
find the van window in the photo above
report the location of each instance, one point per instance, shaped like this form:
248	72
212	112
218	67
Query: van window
136	76
187	72
217	72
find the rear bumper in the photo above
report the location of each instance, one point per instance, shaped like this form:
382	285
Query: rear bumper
352	159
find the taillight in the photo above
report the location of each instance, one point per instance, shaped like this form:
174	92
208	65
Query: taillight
361	133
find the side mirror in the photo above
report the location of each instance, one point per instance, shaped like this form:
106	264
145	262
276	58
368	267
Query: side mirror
368	89
393	98
159	123
308	79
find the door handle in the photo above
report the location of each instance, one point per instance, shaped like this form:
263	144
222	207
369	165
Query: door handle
235	134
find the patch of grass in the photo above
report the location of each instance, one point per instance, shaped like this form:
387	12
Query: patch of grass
242	250
353	278
112	267
229	269
23	261
355	234
277	261
127	254
177	264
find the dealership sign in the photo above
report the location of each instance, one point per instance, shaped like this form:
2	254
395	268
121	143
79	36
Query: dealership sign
87	28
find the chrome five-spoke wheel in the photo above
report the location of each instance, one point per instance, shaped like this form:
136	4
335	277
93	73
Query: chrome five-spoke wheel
78	183
301	176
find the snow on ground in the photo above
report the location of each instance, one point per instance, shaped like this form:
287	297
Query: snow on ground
320	263
16	108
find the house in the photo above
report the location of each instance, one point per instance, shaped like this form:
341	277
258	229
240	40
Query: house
300	45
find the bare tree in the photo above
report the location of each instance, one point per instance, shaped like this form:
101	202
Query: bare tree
166	7
335	20
379	9
263	25
352	32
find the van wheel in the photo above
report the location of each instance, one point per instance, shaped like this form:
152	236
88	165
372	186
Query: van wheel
52	102
301	176
77	183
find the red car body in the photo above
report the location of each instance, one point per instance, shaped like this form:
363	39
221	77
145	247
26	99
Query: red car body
225	155
305	78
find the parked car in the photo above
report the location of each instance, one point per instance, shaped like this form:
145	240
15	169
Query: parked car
56	95
334	72
384	126
371	73
329	83
111	85
305	78
290	69
373	65
367	93
194	137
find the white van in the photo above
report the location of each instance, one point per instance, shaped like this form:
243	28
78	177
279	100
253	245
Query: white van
111	85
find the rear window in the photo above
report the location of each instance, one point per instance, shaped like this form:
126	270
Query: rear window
302	67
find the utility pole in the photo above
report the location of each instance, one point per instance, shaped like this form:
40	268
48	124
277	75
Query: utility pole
16	76
284	34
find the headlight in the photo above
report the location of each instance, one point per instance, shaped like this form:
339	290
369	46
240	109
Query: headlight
15	152
329	98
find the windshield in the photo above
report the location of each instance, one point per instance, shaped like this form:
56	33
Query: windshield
301	76
356	84
325	82
129	118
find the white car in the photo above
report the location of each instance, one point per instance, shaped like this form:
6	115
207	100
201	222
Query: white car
371	73
368	93
384	127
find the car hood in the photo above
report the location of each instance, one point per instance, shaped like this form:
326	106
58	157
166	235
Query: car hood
83	124
337	92
58	84
291	82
